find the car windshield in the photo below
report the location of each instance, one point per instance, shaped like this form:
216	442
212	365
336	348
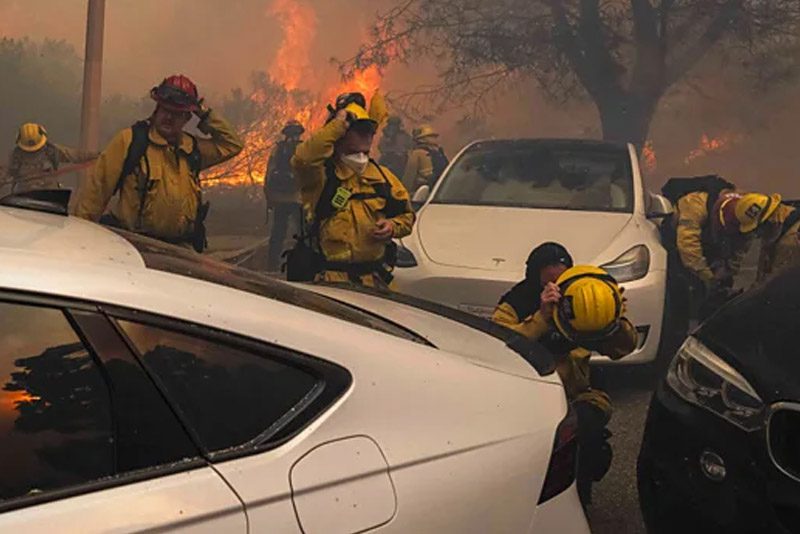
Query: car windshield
538	174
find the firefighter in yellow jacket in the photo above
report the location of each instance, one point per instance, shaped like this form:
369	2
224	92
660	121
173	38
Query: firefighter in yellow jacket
35	158
154	167
426	161
353	205
777	225
581	311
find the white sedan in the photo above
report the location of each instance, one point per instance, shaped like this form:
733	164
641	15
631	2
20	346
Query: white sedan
499	199
147	388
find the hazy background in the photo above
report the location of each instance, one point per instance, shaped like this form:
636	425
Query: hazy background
219	44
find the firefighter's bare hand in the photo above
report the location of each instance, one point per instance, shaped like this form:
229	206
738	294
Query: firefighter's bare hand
550	297
343	115
384	230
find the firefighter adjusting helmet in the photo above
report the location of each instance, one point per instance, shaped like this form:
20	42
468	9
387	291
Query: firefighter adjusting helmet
591	304
31	137
177	93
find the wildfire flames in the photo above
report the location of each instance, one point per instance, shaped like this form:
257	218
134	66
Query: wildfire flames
709	145
649	162
300	95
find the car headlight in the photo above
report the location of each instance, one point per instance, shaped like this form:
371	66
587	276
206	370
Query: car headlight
702	378
631	265
405	258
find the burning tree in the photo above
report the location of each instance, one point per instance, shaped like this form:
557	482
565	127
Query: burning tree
291	89
625	54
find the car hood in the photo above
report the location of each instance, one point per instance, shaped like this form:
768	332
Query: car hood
757	335
500	238
476	347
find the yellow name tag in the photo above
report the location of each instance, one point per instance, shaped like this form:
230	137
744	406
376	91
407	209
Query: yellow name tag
341	197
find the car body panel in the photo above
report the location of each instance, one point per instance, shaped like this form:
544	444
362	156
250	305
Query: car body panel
467	445
445	334
198	499
499	238
343	486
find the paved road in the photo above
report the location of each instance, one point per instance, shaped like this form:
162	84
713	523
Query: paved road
615	509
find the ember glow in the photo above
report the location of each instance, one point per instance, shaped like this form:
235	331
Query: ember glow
296	92
710	145
649	162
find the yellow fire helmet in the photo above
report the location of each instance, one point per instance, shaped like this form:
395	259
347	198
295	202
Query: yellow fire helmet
754	208
31	137
591	304
424	131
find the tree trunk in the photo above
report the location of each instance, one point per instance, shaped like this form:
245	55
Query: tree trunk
626	118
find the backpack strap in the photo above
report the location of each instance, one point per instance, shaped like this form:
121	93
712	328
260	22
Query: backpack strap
790	221
136	151
324	208
194	158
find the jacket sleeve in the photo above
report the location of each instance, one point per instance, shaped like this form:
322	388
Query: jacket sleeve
224	143
740	250
692	214
412	168
620	343
13	164
74	155
308	162
98	188
505	315
425	169
405	221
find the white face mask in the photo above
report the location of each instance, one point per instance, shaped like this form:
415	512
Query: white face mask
357	162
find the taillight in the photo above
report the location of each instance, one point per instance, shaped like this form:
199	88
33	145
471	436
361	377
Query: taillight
561	471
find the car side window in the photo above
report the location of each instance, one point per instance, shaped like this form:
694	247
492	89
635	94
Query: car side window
56	426
229	396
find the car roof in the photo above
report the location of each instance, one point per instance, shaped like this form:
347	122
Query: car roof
554	142
69	239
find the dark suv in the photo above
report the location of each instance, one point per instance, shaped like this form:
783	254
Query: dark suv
721	448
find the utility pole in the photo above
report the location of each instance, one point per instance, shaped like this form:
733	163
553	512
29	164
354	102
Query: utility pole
92	75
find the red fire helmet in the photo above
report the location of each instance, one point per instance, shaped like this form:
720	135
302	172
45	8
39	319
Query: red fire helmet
177	93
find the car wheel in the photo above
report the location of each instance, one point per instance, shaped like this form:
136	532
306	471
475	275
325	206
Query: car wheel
661	512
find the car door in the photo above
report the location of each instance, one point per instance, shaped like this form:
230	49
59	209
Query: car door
242	400
87	444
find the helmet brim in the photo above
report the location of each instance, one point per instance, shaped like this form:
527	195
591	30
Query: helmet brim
172	105
32	148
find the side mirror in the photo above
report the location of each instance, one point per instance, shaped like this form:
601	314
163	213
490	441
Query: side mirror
420	196
658	207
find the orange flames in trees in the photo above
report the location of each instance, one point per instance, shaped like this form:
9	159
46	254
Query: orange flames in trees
293	91
709	145
292	64
649	162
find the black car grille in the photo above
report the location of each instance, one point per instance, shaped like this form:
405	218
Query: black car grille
783	437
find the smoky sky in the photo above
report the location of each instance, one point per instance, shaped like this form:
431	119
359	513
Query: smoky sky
216	42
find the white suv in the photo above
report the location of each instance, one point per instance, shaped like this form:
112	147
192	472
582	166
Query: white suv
149	388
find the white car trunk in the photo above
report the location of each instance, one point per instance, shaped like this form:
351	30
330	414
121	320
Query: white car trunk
500	239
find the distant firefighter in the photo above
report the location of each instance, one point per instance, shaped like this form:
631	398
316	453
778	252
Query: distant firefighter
426	162
280	190
35	156
394	146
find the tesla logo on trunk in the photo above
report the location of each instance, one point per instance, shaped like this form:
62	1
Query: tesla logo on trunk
498	261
